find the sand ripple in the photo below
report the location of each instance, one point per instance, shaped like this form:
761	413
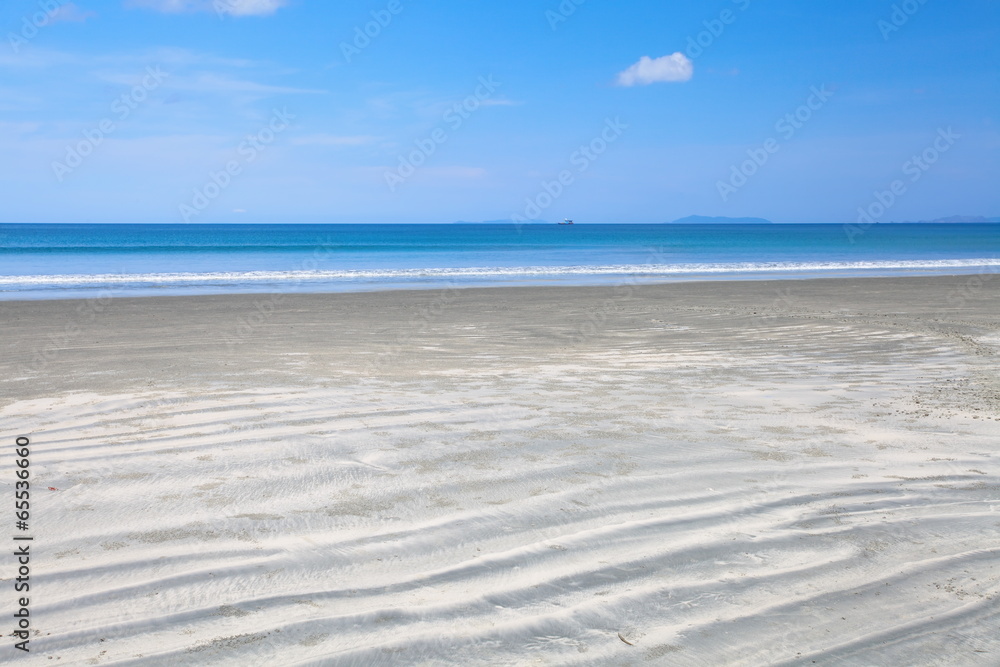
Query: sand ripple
668	510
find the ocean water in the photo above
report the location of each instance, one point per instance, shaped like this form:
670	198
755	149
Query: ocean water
95	260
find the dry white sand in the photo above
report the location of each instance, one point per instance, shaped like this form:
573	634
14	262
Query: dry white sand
703	474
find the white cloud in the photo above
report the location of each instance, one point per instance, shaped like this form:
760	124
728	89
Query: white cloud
675	67
232	7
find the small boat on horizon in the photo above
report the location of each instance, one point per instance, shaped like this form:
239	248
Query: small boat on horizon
566	221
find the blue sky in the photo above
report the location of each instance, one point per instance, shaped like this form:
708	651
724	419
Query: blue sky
642	111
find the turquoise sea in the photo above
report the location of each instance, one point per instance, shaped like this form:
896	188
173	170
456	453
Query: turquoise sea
90	260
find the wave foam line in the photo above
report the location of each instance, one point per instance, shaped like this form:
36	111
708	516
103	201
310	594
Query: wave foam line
489	272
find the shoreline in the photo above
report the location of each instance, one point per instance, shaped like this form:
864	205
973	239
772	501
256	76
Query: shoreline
635	281
459	278
956	282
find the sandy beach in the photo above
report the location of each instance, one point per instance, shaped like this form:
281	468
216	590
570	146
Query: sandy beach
716	473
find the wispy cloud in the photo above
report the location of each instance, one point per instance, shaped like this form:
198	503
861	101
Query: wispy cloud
67	91
35	58
429	175
405	103
455	172
673	68
334	140
501	102
70	13
231	7
189	71
217	83
12	99
166	56
8	130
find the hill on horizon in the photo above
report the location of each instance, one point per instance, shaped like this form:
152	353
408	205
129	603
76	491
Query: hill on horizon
965	218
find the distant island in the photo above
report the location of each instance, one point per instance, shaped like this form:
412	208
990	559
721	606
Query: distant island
718	220
952	218
504	221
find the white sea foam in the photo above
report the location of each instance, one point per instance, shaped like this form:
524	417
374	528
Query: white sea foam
487	272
